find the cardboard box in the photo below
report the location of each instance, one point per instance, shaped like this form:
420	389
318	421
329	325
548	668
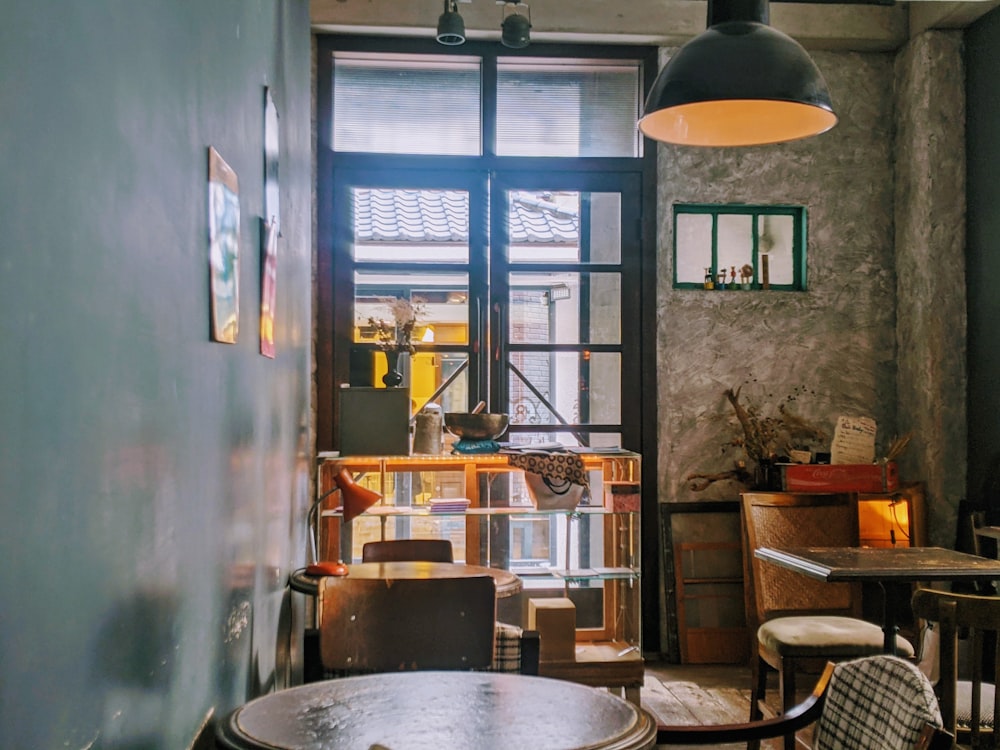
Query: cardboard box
555	620
622	497
840	477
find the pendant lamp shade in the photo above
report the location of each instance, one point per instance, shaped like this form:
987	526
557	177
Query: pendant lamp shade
740	83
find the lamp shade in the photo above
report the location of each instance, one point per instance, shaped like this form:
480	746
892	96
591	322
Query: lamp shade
515	29
739	83
451	25
354	498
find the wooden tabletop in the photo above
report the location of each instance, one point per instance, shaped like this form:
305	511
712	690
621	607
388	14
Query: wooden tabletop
508	583
882	563
434	710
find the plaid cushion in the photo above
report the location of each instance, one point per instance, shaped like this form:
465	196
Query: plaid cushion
506	649
876	702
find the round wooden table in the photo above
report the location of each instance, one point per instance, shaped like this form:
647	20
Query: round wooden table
508	583
434	710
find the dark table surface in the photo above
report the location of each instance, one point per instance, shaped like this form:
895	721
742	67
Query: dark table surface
881	564
884	566
508	583
437	710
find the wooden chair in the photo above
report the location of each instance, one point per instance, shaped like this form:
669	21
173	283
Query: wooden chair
394	550
968	707
387	626
878	702
802	623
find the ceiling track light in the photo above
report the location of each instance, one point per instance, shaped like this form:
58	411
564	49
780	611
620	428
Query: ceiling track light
739	83
451	25
515	28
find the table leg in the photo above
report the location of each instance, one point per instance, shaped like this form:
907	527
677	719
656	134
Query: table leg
890	603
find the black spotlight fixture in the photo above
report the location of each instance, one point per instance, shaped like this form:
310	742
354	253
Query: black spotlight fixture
515	28
451	25
739	83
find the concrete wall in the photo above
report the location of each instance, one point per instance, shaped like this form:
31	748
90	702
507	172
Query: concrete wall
930	271
834	342
152	483
879	331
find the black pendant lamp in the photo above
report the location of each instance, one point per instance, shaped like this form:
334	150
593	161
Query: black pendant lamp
739	83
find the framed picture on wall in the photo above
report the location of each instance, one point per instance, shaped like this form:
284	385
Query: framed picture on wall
224	248
269	276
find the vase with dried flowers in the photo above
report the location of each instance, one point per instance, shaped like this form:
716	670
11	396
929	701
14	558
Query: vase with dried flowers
396	336
765	439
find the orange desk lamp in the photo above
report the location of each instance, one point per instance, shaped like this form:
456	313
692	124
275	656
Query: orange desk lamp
355	500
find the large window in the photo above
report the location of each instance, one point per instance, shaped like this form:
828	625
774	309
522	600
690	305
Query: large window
506	195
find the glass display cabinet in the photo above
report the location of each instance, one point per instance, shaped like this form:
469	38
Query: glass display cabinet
588	555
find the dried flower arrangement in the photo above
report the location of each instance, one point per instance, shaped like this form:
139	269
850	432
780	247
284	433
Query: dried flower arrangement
397	335
764	439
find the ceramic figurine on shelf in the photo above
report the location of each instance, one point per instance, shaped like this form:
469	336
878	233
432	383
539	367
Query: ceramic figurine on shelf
746	276
709	279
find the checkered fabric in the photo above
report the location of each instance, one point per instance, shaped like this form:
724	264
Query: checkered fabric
876	702
506	649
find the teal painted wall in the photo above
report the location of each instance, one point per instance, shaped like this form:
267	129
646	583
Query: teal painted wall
152	483
982	41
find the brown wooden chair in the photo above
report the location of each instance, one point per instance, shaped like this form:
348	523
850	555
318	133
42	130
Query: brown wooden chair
801	623
395	550
406	624
968	706
877	702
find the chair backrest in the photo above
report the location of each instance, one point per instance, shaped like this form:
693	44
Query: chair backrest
967	705
406	624
877	702
395	550
788	519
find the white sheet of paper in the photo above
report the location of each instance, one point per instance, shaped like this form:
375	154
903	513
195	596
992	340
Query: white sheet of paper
853	441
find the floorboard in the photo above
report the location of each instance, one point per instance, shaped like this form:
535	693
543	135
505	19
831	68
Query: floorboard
706	694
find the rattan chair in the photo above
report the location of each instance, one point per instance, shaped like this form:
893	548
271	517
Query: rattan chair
802	623
875	703
395	550
968	706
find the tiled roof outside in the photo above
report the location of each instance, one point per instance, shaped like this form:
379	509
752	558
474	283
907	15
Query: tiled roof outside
386	215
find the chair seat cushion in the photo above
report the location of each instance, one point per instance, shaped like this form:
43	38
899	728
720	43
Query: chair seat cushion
963	705
825	636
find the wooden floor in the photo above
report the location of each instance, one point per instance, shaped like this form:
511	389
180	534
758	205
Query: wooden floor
706	694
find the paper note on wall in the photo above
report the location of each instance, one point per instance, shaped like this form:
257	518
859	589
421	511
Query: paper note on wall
853	441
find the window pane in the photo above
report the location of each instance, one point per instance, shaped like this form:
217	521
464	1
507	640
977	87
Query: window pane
565	308
776	236
546	226
694	248
441	300
398	104
735	244
567	108
411	225
565	387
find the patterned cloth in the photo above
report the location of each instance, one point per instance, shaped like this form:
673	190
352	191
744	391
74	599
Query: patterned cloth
506	649
878	702
557	468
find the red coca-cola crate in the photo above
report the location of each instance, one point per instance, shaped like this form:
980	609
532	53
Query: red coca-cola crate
883	477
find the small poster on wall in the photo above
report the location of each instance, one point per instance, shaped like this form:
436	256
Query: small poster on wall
224	248
269	273
270	227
